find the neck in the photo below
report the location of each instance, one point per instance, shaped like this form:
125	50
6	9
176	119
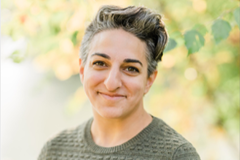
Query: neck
112	132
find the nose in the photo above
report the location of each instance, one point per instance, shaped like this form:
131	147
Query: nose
113	80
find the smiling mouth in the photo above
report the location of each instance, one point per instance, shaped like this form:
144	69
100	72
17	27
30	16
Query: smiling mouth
111	96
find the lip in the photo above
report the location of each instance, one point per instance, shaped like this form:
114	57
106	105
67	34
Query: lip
113	97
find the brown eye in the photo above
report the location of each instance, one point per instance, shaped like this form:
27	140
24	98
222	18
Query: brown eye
132	69
99	63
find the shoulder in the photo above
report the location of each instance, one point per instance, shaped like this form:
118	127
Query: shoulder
164	133
66	140
185	151
171	143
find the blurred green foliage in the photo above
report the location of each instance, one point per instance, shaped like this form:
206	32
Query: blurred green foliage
220	30
199	73
193	41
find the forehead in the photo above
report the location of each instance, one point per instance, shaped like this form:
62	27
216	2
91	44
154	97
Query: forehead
118	43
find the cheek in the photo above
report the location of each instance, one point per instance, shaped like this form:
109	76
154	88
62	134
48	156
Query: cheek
91	81
135	86
92	77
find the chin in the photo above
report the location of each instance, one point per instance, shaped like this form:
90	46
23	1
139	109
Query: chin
109	112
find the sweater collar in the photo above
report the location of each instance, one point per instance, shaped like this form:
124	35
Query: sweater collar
144	134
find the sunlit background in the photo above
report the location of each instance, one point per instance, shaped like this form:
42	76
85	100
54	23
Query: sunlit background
196	91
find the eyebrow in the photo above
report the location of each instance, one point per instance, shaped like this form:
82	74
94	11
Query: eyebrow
101	54
132	61
125	60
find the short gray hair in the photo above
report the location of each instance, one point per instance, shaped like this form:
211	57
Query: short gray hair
140	21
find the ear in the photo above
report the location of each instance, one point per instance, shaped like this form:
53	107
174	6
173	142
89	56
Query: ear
81	70
150	81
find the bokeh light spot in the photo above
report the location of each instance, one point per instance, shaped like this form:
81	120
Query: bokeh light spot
190	74
63	72
168	61
199	5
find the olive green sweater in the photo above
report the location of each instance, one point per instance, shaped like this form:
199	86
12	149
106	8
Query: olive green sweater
157	141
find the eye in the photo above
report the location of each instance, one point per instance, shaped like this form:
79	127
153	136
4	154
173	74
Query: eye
99	63
132	69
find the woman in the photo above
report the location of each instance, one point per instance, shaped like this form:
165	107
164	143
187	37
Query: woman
118	61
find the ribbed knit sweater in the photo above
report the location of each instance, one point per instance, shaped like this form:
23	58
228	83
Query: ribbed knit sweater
157	141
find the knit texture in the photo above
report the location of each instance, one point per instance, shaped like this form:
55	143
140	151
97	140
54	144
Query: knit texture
157	141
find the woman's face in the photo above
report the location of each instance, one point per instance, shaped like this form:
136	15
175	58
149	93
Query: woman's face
115	74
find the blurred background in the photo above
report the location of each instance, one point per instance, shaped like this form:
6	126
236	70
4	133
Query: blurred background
196	91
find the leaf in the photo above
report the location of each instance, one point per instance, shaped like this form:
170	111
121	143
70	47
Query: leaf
193	41
200	28
170	45
17	57
236	14
220	30
178	37
74	38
